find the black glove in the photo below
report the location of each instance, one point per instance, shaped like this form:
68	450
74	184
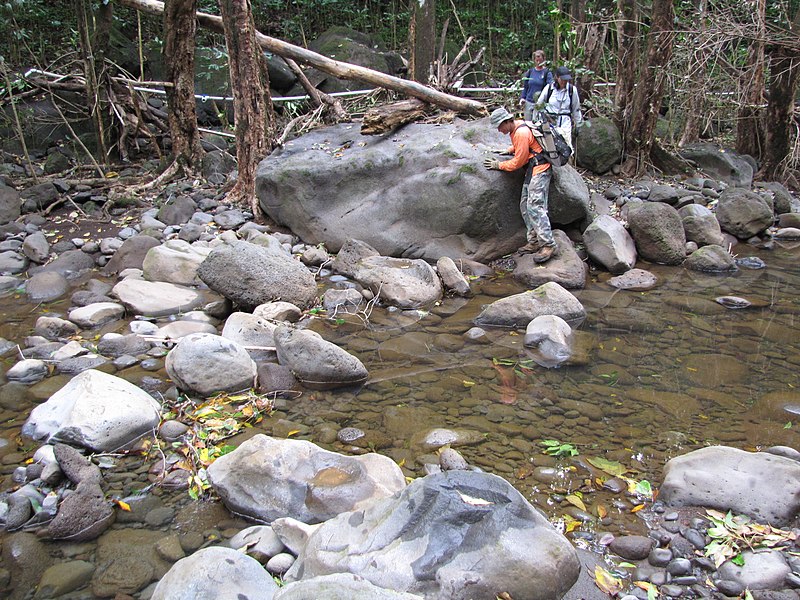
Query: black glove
491	163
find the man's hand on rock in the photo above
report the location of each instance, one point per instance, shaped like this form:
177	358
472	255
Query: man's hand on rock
491	163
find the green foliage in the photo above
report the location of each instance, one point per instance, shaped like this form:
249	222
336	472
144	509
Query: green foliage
731	535
556	448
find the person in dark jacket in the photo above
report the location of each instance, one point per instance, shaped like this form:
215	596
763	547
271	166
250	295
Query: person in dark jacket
533	82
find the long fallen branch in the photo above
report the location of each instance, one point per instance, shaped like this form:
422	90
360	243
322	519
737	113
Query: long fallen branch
336	68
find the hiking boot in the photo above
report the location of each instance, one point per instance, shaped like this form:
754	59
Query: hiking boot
544	254
530	248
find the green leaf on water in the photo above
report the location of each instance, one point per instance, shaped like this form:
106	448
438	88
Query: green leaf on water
611	467
643	488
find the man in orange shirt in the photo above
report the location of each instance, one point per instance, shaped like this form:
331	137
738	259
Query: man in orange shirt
533	204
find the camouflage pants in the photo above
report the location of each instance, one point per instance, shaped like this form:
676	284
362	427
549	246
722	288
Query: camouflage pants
533	206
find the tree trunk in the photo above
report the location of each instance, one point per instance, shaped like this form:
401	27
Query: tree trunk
94	94
749	127
784	65
639	135
179	33
627	55
252	106
594	41
422	39
697	78
333	67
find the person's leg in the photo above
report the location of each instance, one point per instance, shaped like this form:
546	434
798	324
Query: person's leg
536	208
533	244
528	110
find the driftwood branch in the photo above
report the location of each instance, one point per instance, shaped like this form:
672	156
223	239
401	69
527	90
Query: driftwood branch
336	68
382	119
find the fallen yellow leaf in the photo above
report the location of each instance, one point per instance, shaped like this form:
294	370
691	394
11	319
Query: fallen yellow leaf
576	501
607	582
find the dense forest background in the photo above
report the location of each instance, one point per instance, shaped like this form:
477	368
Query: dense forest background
725	70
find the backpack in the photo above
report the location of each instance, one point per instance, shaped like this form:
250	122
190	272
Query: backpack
555	149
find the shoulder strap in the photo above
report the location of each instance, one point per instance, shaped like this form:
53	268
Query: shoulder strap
549	92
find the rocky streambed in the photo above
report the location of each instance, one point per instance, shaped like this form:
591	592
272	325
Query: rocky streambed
463	431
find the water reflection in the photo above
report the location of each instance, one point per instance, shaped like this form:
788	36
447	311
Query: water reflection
653	375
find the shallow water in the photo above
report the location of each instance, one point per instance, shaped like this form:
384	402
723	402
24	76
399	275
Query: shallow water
656	374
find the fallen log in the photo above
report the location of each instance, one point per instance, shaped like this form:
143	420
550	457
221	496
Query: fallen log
336	68
388	117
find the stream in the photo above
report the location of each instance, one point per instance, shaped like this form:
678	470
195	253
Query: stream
655	374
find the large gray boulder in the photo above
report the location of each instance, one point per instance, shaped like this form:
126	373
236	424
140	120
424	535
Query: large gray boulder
250	275
175	261
720	163
568	201
657	230
339	586
316	362
761	485
742	213
421	192
96	411
700	225
204	364
9	204
610	245
354	47
564	268
599	146
267	478
450	536
520	309
216	573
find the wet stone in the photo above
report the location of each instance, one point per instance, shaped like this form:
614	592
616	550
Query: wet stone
679	566
348	435
632	547
660	557
696	539
159	516
730	588
671	516
672	591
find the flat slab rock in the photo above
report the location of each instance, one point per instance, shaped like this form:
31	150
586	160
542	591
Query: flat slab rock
761	485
